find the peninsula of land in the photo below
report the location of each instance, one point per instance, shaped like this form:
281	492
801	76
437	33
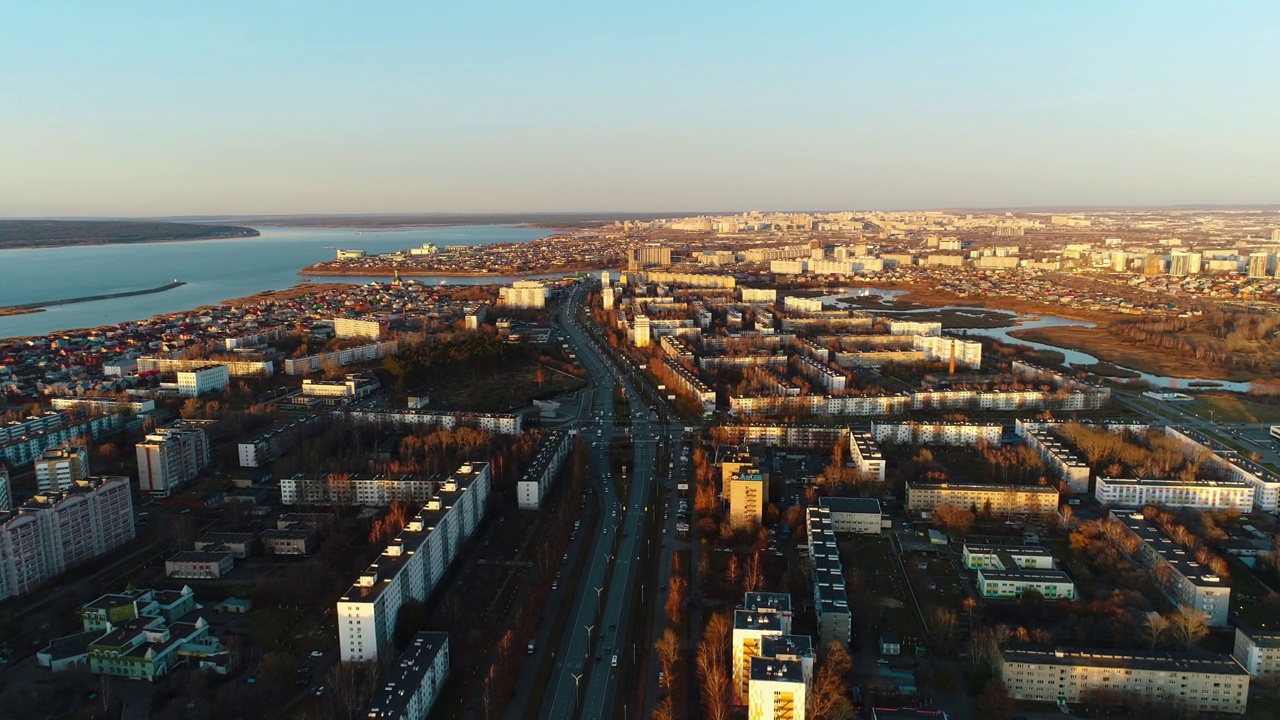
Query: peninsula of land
25	308
60	233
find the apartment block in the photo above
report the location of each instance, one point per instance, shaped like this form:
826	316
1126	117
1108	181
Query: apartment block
415	681
54	532
203	379
271	444
1019	499
60	467
1196	495
1189	584
169	457
1056	452
937	433
523	294
831	601
542	472
749	630
360	328
501	423
1208	684
347	356
865	455
356	489
6	491
1257	648
748	493
411	564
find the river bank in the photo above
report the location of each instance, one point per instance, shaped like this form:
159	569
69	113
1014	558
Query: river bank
1111	348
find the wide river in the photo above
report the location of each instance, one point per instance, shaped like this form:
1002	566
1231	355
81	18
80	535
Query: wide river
214	270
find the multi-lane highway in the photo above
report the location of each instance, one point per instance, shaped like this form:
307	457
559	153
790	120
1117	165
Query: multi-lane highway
610	597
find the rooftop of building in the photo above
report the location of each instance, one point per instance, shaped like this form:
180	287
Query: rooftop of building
1135	660
758	621
775	670
767	601
861	506
777	646
199	556
1016	550
1182	561
405	678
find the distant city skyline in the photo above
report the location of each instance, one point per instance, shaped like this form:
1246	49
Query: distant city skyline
283	109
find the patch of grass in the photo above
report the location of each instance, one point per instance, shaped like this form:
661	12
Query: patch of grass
1233	409
273	628
498	389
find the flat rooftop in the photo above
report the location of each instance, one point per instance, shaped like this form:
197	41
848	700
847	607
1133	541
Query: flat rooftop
1158	661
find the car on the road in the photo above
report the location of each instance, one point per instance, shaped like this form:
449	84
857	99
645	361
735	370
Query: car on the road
320	691
303	681
317	653
555	585
614	661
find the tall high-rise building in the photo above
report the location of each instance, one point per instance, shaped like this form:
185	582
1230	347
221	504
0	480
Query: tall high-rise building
648	255
170	457
59	467
1260	264
53	532
411	564
1119	261
642	332
748	497
1181	263
1153	265
6	492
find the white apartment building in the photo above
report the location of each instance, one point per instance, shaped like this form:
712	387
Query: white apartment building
913	327
356	489
170	457
937	433
347	356
1019	499
204	379
58	468
237	368
411	564
865	454
415	681
523	294
501	423
271	444
777	689
749	629
537	479
853	515
831	601
1207	684
1196	495
361	328
966	353
1189	584
1265	483
1056	453
759	296
1257	648
54	532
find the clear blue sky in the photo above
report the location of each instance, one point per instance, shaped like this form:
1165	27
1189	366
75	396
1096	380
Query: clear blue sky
162	108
